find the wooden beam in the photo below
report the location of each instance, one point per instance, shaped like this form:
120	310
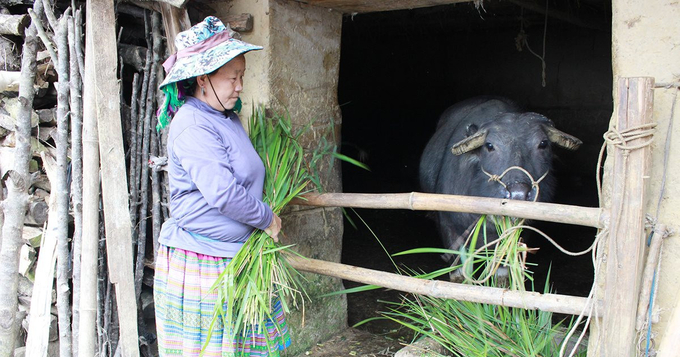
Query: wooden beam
175	20
583	216
102	45
361	6
563	304
625	245
562	15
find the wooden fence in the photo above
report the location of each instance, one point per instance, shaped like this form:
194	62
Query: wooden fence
621	218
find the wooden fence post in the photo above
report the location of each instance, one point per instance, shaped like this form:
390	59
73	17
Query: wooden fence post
625	246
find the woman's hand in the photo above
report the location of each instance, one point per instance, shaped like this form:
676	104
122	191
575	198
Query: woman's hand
274	228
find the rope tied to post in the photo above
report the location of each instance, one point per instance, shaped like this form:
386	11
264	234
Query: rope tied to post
622	139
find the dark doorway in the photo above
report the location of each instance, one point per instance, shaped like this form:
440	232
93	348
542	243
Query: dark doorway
399	70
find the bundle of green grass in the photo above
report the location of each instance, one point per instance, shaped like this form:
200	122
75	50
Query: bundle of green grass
476	329
259	273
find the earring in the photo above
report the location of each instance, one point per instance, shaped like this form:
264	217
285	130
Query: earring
203	90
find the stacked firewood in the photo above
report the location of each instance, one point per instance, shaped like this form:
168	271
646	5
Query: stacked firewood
56	165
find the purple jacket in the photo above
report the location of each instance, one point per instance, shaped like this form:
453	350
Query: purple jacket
216	180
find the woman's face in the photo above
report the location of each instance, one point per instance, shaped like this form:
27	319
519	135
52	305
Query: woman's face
227	83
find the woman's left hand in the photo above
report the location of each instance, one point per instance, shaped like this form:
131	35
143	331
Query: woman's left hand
274	228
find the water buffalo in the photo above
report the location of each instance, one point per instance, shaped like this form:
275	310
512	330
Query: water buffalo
482	137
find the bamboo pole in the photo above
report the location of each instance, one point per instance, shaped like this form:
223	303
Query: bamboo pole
563	304
90	232
583	216
625	243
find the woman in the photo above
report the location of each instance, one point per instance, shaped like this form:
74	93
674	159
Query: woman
216	181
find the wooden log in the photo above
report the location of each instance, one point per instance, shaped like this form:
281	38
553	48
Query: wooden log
47	117
625	243
584	216
12	106
9	3
132	55
100	25
10	141
9	56
14	24
37	212
9	81
563	304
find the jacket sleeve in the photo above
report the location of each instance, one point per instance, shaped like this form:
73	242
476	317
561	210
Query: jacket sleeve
204	157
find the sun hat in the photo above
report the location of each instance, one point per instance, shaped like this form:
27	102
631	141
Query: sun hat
202	49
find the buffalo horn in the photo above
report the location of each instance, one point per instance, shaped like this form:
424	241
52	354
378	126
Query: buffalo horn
561	138
470	143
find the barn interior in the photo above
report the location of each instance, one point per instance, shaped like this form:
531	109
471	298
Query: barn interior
399	70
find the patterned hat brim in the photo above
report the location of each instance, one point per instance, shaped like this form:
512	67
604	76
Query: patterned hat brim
207	61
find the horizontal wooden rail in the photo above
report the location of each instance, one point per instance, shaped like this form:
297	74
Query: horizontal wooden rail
582	216
562	304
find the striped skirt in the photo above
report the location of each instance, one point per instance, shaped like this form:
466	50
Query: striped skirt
184	310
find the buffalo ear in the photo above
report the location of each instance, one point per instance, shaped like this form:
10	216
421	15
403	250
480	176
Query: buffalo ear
561	138
470	143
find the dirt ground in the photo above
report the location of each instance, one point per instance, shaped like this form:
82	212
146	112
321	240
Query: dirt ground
355	342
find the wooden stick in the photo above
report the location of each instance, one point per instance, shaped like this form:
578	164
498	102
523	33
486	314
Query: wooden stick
132	144
76	102
446	290
156	220
15	202
624	244
648	274
44	36
49	15
61	191
584	216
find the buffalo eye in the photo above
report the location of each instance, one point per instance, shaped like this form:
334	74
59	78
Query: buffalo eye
543	144
489	147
